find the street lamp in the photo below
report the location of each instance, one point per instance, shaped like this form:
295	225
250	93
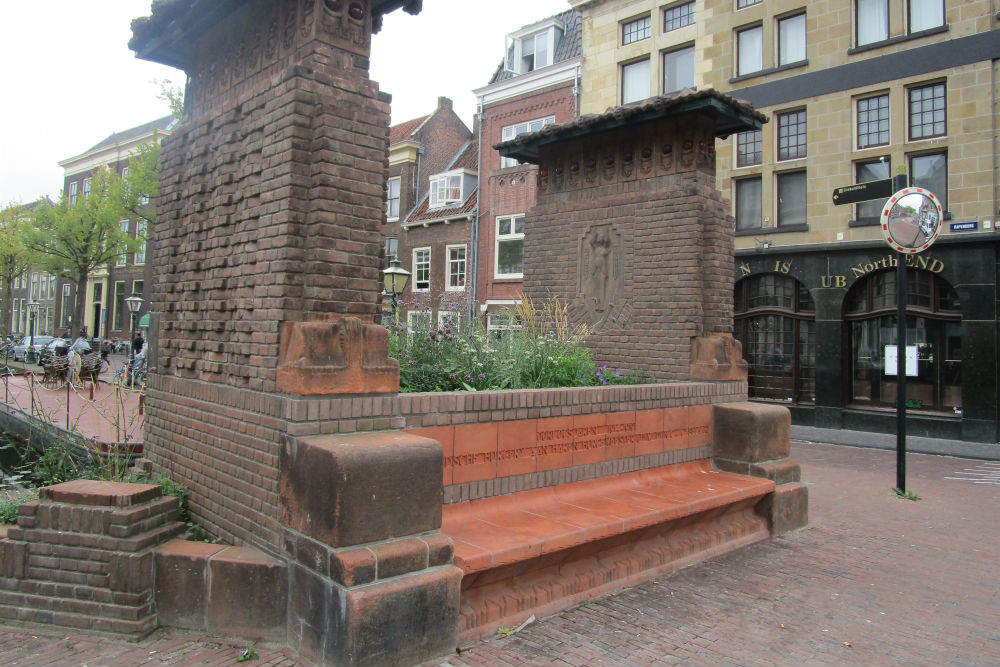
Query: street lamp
394	279
32	313
134	303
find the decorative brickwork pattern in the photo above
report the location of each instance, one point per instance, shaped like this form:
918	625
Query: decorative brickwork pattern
653	186
82	556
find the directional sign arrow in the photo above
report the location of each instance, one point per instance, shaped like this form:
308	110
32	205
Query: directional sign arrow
852	194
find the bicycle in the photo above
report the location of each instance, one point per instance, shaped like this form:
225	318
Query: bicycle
131	374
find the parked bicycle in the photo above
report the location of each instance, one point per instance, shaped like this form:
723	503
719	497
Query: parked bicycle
132	374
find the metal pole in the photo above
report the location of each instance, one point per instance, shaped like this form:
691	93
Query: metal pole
900	182
67	405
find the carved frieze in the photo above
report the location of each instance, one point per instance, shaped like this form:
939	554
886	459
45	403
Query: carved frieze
600	291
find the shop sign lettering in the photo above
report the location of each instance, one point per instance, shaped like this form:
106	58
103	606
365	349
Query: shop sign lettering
859	270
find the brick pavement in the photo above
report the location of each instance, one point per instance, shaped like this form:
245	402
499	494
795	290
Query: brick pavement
872	581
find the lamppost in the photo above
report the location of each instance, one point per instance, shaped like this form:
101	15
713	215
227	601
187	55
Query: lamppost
394	279
134	303
32	313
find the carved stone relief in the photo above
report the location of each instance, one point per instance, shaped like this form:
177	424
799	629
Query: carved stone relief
600	289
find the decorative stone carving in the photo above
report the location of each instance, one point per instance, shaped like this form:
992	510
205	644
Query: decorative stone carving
600	290
345	356
717	357
687	153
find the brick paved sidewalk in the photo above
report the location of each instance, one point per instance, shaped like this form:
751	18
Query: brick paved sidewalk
872	581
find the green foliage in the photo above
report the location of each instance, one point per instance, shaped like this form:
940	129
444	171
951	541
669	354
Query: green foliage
179	491
172	95
249	653
196	533
72	240
14	257
535	348
56	465
905	495
11	501
141	186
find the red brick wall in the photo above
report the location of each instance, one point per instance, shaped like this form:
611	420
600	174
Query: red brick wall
511	190
655	184
437	236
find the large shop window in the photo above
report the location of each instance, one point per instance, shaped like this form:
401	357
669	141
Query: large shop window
775	322
933	327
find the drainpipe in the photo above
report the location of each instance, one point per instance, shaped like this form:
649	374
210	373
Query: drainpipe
474	236
576	92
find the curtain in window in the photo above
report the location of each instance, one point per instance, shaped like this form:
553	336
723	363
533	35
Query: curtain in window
792	40
678	70
635	81
926	14
873	21
748	203
751	51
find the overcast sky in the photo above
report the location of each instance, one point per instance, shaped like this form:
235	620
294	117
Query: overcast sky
69	80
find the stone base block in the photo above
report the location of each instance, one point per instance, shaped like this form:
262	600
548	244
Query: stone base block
404	620
717	358
787	509
220	590
779	472
344	490
751	432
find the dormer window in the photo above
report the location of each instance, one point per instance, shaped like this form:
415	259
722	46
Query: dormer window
533	47
446	189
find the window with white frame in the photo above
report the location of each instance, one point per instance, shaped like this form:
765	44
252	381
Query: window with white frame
118	318
391	250
392	199
33	292
930	171
67	307
748	205
743	4
871	20
635	81
499	322
511	131
456	268
123	226
927	111
749	148
792	135
509	251
421	269
925	14
791	198
528	52
52	287
446	189
140	234
448	318
636	30
873	121
791	39
678	16
749	50
86	187
418	320
678	69
73	189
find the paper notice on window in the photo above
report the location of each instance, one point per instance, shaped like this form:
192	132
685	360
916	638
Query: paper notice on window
892	360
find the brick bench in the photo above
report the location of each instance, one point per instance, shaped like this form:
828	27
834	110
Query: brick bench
539	551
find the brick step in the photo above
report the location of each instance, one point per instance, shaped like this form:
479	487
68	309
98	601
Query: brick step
60	617
91	541
100	594
76	606
88	520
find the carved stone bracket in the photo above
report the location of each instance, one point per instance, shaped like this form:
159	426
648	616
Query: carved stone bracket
345	356
716	358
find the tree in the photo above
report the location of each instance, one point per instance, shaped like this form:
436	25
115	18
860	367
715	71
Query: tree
141	186
72	240
14	258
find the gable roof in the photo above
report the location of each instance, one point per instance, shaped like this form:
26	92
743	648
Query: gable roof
466	158
406	129
164	124
570	46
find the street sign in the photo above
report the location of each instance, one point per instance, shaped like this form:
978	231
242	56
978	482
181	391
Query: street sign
852	194
911	220
964	226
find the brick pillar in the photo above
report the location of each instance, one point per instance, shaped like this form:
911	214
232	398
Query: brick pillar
81	556
272	193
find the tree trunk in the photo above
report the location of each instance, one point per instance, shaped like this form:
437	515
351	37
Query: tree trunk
80	307
5	307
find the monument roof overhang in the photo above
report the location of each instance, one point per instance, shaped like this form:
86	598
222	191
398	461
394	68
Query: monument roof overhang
730	115
173	26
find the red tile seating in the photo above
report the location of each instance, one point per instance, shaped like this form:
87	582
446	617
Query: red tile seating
543	550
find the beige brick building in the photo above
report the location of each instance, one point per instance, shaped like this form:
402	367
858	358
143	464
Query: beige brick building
856	90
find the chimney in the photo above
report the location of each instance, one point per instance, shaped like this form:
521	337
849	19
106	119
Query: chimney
444	103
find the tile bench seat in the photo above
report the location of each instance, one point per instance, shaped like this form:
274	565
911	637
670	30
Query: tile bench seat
543	550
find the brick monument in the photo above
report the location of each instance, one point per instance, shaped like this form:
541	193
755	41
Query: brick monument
631	232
